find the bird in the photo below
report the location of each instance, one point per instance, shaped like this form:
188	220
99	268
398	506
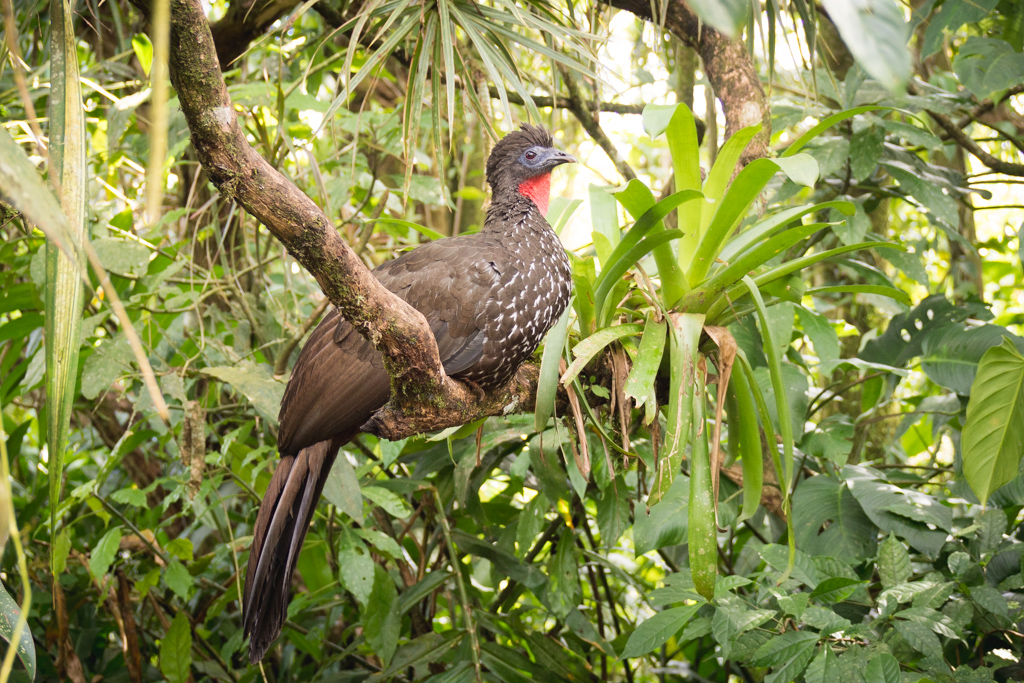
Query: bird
489	298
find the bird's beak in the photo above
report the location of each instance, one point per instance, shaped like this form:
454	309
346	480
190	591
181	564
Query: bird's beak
558	157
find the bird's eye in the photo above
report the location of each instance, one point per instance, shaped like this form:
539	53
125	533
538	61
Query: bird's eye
531	155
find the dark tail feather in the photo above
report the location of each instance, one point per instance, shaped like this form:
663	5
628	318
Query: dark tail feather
281	526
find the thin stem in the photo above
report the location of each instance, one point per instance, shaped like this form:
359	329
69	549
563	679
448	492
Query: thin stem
467	610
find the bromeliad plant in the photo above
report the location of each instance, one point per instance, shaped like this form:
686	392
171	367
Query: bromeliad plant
669	314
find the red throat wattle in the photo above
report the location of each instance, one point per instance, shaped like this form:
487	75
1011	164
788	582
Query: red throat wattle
537	189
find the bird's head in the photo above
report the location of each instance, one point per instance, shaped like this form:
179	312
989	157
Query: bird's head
521	163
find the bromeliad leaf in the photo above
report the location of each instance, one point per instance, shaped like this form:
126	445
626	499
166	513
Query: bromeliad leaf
587	349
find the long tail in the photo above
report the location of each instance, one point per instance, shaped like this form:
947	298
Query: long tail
281	526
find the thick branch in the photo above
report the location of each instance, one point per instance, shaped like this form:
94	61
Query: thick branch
420	389
965	141
728	66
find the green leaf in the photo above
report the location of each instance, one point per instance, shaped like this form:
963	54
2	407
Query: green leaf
802	169
654	632
993	436
381	620
804	571
684	337
836	589
143	48
883	668
903	338
702	535
725	15
613	512
664	524
877	35
950	356
866	147
879	499
178	579
950	17
919	637
987	66
828	520
103	554
547	382
176	650
61	550
122	256
589	347
426	649
342	489
564	590
392	503
356	569
824	668
255	382
827	123
893	562
785	647
65	290
878	290
640	382
10	613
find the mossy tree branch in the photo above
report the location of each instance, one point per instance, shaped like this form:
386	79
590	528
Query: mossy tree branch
423	396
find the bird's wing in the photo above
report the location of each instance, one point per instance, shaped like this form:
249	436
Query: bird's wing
339	379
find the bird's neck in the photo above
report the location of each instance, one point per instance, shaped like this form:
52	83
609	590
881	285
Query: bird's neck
537	190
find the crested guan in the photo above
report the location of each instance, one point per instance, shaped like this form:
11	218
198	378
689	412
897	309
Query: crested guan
489	299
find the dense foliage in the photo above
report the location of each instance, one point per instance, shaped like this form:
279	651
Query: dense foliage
777	436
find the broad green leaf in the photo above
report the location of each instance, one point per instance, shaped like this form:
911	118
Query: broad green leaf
919	637
724	167
356	569
880	500
993	436
877	35
10	613
122	256
784	647
178	579
381	621
654	632
564	590
176	650
883	668
663	524
821	333
587	349
342	489
802	169
143	48
903	338
255	383
950	355
391	502
103	554
893	562
950	17
836	589
804	571
426	649
824	668
987	66
828	520
613	512
547	382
